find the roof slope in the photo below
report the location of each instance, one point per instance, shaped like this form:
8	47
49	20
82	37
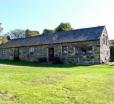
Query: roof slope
84	34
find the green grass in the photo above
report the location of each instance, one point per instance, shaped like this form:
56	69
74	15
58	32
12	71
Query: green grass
32	83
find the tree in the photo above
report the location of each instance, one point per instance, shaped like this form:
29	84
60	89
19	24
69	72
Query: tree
4	39
29	33
1	28
63	27
8	37
0	39
17	33
112	42
46	31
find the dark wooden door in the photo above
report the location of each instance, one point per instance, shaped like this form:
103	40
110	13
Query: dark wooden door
51	54
16	54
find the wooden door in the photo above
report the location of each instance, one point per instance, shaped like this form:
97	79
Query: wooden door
51	54
16	54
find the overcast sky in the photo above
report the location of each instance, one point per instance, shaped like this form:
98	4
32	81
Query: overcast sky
40	14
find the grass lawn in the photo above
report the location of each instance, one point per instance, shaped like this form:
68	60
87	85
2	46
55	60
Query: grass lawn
32	83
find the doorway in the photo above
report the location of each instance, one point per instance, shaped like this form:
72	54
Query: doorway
16	54
51	54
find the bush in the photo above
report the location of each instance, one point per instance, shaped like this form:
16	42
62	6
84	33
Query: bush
112	53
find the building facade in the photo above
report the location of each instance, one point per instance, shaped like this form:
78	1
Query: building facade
82	46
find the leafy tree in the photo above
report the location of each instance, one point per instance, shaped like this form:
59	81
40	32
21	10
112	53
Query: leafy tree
0	39
8	37
29	33
17	33
46	31
4	39
1	28
112	42
63	27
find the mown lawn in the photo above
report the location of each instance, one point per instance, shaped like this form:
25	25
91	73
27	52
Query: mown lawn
32	83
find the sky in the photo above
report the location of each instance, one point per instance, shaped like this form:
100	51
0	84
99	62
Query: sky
40	14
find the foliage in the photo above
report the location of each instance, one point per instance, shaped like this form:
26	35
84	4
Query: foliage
112	50
1	28
63	27
4	39
0	39
29	33
17	33
33	83
112	42
46	31
112	53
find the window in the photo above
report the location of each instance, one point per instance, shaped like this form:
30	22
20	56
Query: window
3	51
87	50
71	51
83	50
31	50
64	50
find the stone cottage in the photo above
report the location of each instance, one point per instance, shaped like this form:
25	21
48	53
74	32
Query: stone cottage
80	46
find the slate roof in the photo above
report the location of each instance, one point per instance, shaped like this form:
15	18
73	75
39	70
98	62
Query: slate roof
84	34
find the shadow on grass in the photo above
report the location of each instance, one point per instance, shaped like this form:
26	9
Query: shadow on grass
36	64
111	63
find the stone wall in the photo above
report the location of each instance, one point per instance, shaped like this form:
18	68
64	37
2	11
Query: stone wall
81	53
33	53
7	54
104	48
69	53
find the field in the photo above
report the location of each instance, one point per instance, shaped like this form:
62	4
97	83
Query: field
32	83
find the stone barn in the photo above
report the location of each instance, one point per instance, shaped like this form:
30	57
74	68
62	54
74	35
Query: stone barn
81	46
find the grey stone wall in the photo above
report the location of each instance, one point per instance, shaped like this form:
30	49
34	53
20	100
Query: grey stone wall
104	48
33	53
81	53
7	53
69	53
